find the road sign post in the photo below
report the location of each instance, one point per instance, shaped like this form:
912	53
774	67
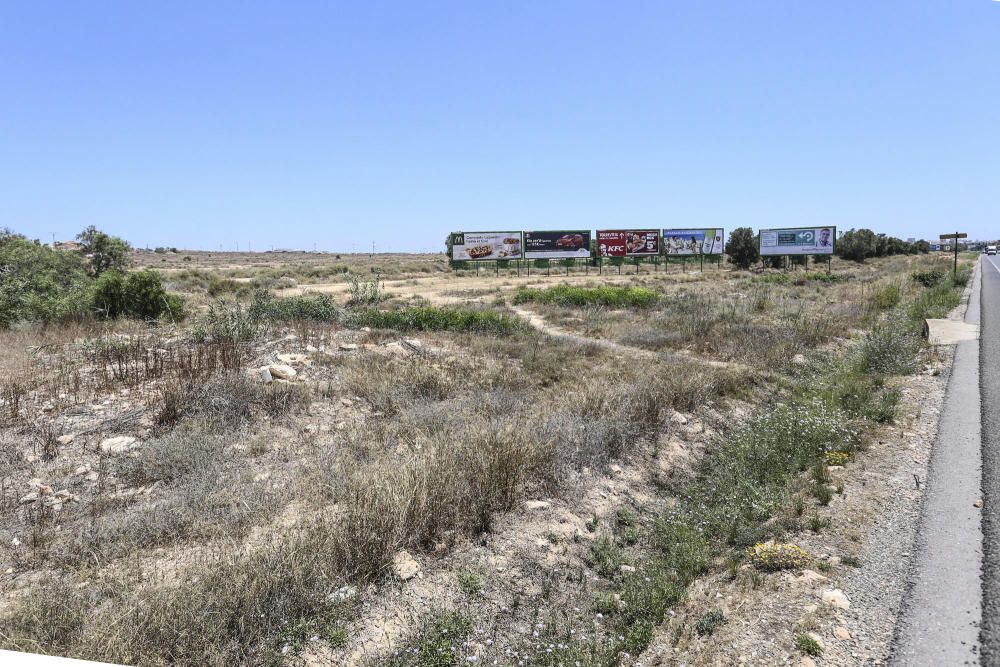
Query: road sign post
954	239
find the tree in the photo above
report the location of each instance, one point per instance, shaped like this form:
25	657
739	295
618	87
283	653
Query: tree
742	248
857	245
106	252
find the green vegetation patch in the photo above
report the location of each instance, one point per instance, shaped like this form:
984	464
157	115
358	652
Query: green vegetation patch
612	296
432	318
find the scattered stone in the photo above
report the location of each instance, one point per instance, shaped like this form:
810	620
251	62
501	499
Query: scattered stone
799	359
346	402
537	505
978	503
810	577
65	439
282	371
806	661
82	470
30	497
293	359
678	419
404	566
92	476
627	569
118	444
810	608
348	347
312	349
841	633
265	375
836	598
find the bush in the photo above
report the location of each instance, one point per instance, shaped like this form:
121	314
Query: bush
928	277
138	295
742	248
890	348
39	284
365	293
230	321
314	307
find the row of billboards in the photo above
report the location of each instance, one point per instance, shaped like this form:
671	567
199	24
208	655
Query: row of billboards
486	246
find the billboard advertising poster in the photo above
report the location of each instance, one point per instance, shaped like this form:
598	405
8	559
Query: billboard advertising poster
693	241
798	241
553	245
483	246
628	243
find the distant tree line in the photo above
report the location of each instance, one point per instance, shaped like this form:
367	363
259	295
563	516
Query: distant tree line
742	247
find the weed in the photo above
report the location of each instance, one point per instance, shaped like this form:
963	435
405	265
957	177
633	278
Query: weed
808	645
470	583
709	623
771	557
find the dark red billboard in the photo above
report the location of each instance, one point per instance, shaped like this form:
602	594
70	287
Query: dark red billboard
628	243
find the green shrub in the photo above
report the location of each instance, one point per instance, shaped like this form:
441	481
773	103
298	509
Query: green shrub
808	645
887	297
565	295
890	348
315	307
432	318
138	295
365	292
229	321
928	277
39	284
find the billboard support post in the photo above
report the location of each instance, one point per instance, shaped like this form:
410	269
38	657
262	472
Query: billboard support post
954	241
703	262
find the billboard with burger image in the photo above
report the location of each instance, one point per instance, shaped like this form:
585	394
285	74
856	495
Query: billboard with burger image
485	246
554	245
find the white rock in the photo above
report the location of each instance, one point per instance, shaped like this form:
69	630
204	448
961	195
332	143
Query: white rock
799	359
65	439
806	661
627	569
679	419
836	598
842	633
346	402
118	444
537	504
29	498
265	375
810	577
293	359
405	566
282	371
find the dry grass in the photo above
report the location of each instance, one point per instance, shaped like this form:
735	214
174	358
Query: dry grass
291	492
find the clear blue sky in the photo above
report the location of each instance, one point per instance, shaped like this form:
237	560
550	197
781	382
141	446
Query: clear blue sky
195	124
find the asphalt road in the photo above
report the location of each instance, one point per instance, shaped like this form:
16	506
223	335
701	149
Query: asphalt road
989	361
939	623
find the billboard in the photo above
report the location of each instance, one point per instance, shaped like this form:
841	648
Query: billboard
552	245
483	246
693	241
798	241
628	243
